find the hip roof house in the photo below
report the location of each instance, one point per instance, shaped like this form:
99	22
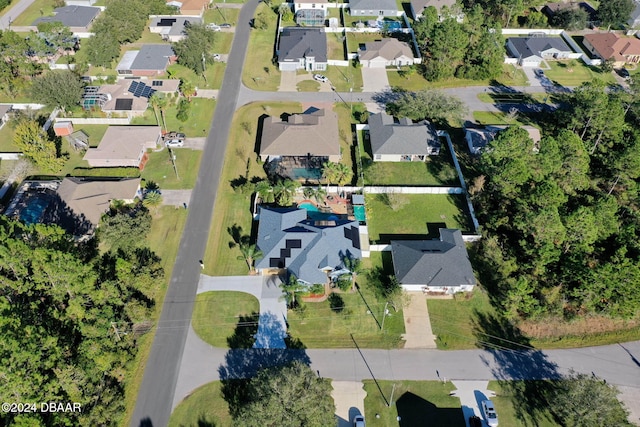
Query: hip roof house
385	53
401	140
309	249
150	60
439	265
373	8
621	50
531	51
172	27
77	18
124	146
312	133
302	48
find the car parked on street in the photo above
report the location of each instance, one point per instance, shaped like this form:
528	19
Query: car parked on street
320	78
490	413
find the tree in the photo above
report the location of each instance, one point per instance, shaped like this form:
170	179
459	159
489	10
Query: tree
445	50
57	34
183	110
291	288
265	192
154	102
194	50
336	173
187	88
288	396
116	227
354	265
485	56
36	146
571	19
101	49
250	253
58	88
585	401
284	191
432	105
615	12
152	199
261	21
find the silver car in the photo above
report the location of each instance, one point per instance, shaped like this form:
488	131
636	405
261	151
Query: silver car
490	413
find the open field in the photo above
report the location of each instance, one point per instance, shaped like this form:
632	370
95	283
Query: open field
219	15
344	78
231	208
160	170
212	78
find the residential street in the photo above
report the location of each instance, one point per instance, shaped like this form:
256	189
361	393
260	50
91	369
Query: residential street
13	11
153	405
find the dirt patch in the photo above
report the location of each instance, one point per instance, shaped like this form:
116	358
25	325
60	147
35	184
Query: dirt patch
550	328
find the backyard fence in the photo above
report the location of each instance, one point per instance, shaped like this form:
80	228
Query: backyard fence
10	156
413	190
95	120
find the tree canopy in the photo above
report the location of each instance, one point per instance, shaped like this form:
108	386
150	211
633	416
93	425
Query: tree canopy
194	51
615	12
58	88
432	105
35	145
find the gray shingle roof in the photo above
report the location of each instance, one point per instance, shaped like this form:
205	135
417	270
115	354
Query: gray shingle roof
404	137
302	42
534	46
71	16
374	5
442	262
175	23
289	240
152	57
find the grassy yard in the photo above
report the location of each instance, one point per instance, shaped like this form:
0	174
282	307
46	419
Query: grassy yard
437	170
222	43
346	135
416	215
335	46
95	132
575	72
203	407
354	40
414	402
212	79
219	15
37	9
494	118
308	86
344	78
233	209
322	327
197	125
159	169
6	139
216	315
258	72
148	37
512	408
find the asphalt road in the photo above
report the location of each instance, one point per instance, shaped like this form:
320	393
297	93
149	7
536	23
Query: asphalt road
14	10
154	402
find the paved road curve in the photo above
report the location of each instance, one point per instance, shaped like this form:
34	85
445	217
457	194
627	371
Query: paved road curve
153	405
14	10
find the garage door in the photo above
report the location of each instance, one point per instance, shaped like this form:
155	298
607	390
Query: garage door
288	66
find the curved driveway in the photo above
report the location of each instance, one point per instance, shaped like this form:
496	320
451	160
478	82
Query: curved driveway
155	397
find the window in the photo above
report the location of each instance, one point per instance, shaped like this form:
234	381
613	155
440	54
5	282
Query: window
313	6
378	156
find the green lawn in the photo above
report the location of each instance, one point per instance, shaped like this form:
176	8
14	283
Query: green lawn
36	10
512	402
321	327
355	39
216	315
335	46
212	77
231	208
308	86
205	406
222	43
148	37
219	15
412	219
197	125
95	132
159	168
344	78
6	139
494	118
414	402
258	72
575	72
346	135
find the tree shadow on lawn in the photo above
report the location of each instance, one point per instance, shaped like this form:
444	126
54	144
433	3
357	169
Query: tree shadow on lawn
413	410
523	371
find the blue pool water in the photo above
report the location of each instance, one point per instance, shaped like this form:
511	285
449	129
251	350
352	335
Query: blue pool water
308	206
32	213
358	212
393	25
304	173
314	213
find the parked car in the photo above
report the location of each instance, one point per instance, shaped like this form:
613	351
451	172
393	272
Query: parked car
216	57
358	421
225	25
490	413
624	73
320	78
539	72
174	139
213	27
475	421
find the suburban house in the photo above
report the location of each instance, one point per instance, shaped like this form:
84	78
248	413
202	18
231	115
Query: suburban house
190	7
477	139
551	9
418	7
401	140
302	48
172	28
373	8
130	97
310	12
77	18
80	2
634	19
388	52
531	51
611	46
150	60
310	249
439	265
4	114
313	133
124	146
89	199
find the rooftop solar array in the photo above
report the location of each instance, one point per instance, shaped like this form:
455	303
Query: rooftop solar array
140	89
156	83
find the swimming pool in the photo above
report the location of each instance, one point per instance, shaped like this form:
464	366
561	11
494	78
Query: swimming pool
308	206
314	213
32	213
359	213
304	173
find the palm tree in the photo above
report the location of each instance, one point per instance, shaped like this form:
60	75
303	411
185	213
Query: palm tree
344	174
264	190
162	103
152	199
284	191
329	172
308	192
154	102
319	194
187	88
354	265
291	288
250	253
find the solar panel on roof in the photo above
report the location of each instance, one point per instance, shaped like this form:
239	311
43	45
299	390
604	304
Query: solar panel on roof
133	86
156	83
167	22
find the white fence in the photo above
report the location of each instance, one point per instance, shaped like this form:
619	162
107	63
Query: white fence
10	156
95	121
24	106
469	238
338	62
413	190
529	31
53	66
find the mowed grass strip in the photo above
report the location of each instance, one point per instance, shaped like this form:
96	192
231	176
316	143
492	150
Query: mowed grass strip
414	402
159	168
205	406
234	209
575	72
216	315
258	72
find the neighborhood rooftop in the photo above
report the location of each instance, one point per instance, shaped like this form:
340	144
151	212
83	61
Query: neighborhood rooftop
373	5
532	46
71	16
388	49
401	137
302	42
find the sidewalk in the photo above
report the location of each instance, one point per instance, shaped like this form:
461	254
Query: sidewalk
418	333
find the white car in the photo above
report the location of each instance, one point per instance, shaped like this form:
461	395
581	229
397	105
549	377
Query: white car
358	421
213	27
320	78
174	139
216	57
490	413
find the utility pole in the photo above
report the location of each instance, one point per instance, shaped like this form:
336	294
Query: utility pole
384	315
204	69
173	161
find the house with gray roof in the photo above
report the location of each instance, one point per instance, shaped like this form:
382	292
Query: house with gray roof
77	18
308	248
531	51
302	48
150	60
439	265
401	140
373	8
172	27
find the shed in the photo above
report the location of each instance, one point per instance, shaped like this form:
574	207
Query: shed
63	128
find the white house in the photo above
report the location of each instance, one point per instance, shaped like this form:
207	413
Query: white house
386	53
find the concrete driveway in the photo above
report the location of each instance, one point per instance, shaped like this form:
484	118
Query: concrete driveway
531	76
288	81
349	399
471	394
374	79
176	197
194	143
418	333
